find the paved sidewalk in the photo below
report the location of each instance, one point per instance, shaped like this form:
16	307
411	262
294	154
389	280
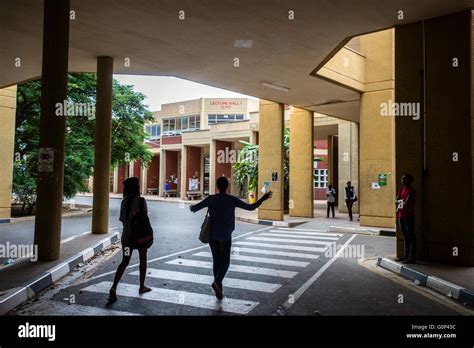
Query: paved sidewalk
24	279
340	224
23	271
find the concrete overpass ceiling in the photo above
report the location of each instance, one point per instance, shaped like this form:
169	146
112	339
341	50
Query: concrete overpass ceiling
322	132
201	47
347	110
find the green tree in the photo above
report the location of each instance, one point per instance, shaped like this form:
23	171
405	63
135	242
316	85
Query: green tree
246	167
128	117
128	132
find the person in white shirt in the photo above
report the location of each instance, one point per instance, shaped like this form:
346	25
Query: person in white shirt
331	199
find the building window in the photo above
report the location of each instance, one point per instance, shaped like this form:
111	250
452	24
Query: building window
184	123
222	118
154	131
320	178
191	123
171	126
175	126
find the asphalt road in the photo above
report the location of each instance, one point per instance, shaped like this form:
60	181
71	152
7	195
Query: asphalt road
274	271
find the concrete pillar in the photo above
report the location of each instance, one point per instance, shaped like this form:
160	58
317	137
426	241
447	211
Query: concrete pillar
271	155
223	167
201	170
301	163
438	148
116	180
179	173
7	143
52	129
330	159
234	185
333	160
183	178
161	186
253	137
409	132
377	132
348	162
102	146
212	169
144	178
131	167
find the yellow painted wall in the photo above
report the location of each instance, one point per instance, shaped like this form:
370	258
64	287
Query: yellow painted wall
301	163
377	132
346	67
7	138
271	158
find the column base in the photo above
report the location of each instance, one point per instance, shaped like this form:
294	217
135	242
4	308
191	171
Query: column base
377	221
301	214
264	214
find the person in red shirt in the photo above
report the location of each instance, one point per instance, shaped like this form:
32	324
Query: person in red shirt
406	200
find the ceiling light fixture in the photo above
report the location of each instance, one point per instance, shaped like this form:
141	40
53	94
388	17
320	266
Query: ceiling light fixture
243	43
277	87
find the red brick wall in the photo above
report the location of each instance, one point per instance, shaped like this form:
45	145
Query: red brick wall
320	193
121	177
153	173
193	163
137	169
171	167
171	140
223	168
321	144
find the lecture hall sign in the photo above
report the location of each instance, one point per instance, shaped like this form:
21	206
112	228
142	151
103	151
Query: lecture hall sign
226	104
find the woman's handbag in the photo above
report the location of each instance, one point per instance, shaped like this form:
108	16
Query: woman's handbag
140	227
205	234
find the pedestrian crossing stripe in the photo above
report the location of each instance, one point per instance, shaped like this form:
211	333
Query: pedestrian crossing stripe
260	244
186	298
307	231
205	279
57	308
298	237
295	241
235	268
273	252
260	260
280	246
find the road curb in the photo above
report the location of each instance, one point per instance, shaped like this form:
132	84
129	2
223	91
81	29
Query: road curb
18	296
83	212
439	285
269	222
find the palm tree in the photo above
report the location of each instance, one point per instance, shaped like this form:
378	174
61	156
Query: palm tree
246	167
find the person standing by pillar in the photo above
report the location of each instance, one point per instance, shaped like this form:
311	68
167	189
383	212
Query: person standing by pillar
331	199
406	200
350	197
